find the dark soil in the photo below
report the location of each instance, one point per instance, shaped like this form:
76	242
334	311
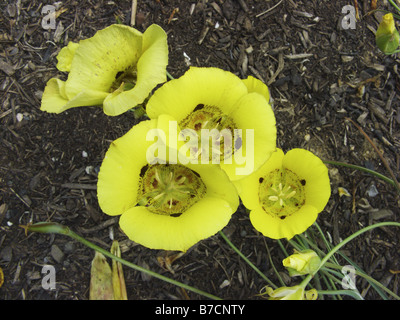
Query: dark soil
319	74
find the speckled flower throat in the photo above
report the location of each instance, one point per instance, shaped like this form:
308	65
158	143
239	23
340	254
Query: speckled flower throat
281	193
169	189
125	80
210	117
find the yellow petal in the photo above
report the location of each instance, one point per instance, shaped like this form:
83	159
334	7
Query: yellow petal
119	175
275	228
101	286
313	171
54	99
253	115
299	221
202	220
386	26
98	59
154	59
66	55
301	263
387	36
287	293
217	183
208	86
151	71
269	226
255	85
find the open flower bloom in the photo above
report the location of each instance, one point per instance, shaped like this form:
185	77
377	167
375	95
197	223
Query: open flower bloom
291	293
235	112
302	262
286	194
387	36
163	205
118	68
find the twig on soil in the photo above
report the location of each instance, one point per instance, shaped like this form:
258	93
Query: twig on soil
378	152
281	65
270	9
352	166
101	226
133	12
20	198
79	186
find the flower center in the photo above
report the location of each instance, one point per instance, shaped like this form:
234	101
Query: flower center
124	80
169	189
220	131
281	193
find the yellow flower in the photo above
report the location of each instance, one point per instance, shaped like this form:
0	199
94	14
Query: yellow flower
301	263
286	194
291	293
387	36
210	98
163	204
118	68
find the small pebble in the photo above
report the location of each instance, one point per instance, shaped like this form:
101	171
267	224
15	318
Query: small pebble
56	253
372	191
6	254
224	284
69	247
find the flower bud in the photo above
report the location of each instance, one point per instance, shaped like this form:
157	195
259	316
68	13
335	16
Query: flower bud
291	293
387	37
301	263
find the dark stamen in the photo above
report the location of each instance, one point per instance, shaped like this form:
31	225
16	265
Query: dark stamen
143	170
199	107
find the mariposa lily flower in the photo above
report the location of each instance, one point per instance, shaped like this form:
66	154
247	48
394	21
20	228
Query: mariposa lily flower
117	68
387	36
291	293
163	205
302	263
214	100
286	194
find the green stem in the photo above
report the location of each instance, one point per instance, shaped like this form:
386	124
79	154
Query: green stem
344	242
170	76
394	5
357	268
366	277
353	166
385	11
247	260
49	227
273	265
351	293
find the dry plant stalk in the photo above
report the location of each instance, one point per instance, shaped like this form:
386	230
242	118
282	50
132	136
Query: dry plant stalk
385	163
